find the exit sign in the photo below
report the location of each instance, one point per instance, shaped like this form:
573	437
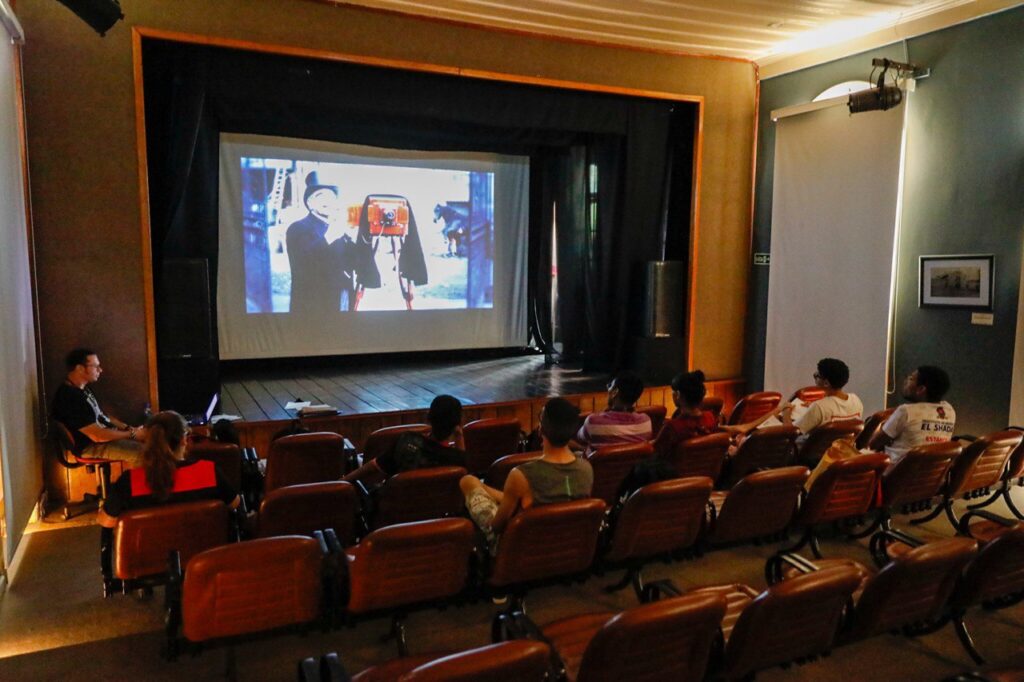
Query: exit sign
762	259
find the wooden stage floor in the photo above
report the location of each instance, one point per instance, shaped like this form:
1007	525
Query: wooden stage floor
261	395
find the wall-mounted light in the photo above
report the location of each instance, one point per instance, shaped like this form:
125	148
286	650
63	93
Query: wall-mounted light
884	96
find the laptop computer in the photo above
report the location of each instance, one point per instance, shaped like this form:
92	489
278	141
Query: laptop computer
203	419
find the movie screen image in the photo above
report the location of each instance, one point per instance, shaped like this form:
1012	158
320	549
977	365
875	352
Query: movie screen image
322	237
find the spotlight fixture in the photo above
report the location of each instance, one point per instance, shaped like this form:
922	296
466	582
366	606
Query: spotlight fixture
100	14
883	97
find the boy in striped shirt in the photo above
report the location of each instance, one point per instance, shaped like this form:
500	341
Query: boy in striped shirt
618	424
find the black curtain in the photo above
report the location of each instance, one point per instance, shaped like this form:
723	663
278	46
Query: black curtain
194	92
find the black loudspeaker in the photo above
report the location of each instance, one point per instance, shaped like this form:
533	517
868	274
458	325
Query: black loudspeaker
184	323
100	14
664	299
187	385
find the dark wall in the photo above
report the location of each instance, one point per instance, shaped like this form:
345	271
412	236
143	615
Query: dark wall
963	193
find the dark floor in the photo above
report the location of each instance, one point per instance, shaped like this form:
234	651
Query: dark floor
55	625
389	386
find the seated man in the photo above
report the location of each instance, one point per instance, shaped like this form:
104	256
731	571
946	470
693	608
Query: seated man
559	476
926	418
444	446
95	434
837	404
619	423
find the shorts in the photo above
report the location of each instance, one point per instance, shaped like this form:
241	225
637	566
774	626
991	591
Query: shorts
482	509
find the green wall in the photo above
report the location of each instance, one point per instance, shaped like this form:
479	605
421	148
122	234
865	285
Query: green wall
963	193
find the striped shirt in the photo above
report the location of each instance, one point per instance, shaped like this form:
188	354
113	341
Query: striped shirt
614	428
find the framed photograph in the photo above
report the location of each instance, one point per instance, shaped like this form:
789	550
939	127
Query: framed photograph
956	282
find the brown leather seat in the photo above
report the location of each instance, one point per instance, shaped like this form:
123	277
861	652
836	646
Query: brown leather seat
657	519
665	640
846	490
519	660
499	470
143	538
766	448
820	439
701	456
383	440
418	495
791	621
64	445
750	407
305	458
250	587
916	479
489	439
612	464
713	404
872	425
994	578
761	505
306	508
401	567
227	457
1013	476
657	415
807	394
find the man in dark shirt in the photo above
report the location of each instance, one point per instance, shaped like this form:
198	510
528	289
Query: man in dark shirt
95	434
418	451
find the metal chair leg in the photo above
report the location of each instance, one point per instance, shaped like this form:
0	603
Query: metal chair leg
966	640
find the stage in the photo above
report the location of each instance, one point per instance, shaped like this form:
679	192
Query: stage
371	396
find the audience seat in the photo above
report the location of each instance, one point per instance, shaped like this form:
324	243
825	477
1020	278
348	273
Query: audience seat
305	458
666	640
820	439
246	589
713	404
1013	476
308	507
143	538
767	448
64	446
807	394
657	415
656	520
489	439
519	660
753	406
383	440
701	456
227	456
872	425
416	495
399	568
760	506
911	484
499	470
612	464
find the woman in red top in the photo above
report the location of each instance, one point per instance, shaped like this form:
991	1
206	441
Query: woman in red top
688	421
165	476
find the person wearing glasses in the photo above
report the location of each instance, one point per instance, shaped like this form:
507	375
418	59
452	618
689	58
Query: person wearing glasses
837	404
95	433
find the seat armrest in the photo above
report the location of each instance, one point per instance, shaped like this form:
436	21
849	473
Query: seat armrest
773	567
883	538
964	527
656	590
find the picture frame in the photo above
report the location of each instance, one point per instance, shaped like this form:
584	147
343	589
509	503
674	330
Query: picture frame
956	281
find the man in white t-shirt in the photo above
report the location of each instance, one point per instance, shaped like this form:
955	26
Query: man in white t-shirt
837	404
926	418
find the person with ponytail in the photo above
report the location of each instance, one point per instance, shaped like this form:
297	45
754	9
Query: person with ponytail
165	475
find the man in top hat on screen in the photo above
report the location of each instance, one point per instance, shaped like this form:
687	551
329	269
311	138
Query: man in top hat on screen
320	276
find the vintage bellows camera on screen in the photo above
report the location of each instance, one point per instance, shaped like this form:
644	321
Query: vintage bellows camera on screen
883	97
387	216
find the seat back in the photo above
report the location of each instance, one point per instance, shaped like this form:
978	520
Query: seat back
612	464
518	660
750	407
997	572
659	518
383	440
657	414
872	425
713	404
418	495
64	445
308	507
919	475
409	563
1015	469
701	456
252	586
760	505
143	538
791	620
846	488
489	439
913	588
305	458
821	438
548	541
983	462
227	457
664	640
499	470
808	394
767	448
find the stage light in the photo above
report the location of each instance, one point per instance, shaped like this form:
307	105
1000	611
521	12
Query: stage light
100	14
883	97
